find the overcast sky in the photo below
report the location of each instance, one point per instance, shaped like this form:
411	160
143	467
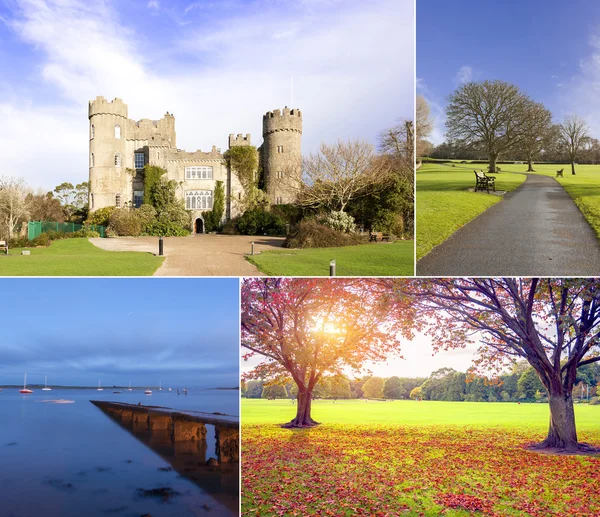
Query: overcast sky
549	48
183	332
218	66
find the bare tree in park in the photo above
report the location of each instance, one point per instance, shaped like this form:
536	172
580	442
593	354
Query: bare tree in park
574	132
538	134
424	124
309	328
552	323
338	173
13	205
490	115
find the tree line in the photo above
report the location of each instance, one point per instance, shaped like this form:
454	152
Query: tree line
495	120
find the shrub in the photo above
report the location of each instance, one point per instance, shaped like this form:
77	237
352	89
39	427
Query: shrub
84	232
338	221
310	234
595	401
166	229
260	222
18	242
101	216
229	228
124	222
147	215
43	239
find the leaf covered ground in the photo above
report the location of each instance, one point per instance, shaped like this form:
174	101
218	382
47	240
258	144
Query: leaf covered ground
424	470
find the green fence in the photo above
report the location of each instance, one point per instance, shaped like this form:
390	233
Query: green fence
35	228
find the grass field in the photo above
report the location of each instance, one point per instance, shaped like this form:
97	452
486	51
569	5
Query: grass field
444	204
77	257
383	259
408	458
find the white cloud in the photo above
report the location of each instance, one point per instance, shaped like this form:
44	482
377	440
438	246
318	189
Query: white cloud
154	5
464	75
217	78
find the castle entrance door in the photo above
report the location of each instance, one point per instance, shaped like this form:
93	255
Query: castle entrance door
198	226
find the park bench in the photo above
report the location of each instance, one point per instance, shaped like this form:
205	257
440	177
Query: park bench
379	237
484	182
560	173
4	247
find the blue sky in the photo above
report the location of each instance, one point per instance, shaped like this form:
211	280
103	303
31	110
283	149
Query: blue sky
218	66
183	332
549	48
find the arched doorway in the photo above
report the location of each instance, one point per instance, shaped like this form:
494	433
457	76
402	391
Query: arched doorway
198	225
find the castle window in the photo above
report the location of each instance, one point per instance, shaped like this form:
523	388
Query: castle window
92	132
139	160
279	174
117	159
117	131
92	160
198	173
138	198
92	201
279	148
118	200
278	201
198	199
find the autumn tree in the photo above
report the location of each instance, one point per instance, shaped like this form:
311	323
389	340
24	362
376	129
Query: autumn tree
310	328
44	207
491	115
554	324
573	135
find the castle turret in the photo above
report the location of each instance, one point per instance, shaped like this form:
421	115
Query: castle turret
108	177
281	154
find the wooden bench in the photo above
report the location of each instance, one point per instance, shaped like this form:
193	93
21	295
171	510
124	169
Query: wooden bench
4	247
560	173
379	237
484	182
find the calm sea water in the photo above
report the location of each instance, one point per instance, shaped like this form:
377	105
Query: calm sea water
73	460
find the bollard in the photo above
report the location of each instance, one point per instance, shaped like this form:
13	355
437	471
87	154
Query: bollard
332	267
252	248
160	246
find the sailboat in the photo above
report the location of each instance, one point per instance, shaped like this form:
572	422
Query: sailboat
25	390
46	388
184	391
100	386
159	386
129	389
148	392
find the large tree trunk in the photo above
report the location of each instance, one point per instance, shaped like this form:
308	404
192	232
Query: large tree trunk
303	418
530	163
493	158
562	433
573	167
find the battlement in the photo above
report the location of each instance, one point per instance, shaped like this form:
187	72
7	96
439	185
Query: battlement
239	140
288	120
101	106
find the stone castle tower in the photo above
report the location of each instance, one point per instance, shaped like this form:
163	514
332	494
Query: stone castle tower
281	154
120	148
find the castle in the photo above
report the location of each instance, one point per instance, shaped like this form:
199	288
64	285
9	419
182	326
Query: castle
120	148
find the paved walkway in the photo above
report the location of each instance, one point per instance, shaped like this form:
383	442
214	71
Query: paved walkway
198	255
536	230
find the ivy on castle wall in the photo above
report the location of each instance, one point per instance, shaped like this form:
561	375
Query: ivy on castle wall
213	218
152	177
243	161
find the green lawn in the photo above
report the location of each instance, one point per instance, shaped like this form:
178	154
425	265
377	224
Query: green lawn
584	187
415	459
381	259
409	412
444	204
77	257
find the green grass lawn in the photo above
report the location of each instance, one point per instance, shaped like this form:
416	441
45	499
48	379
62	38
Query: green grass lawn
77	257
444	204
415	459
381	259
584	187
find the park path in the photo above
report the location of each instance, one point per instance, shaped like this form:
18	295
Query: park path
198	255
536	230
